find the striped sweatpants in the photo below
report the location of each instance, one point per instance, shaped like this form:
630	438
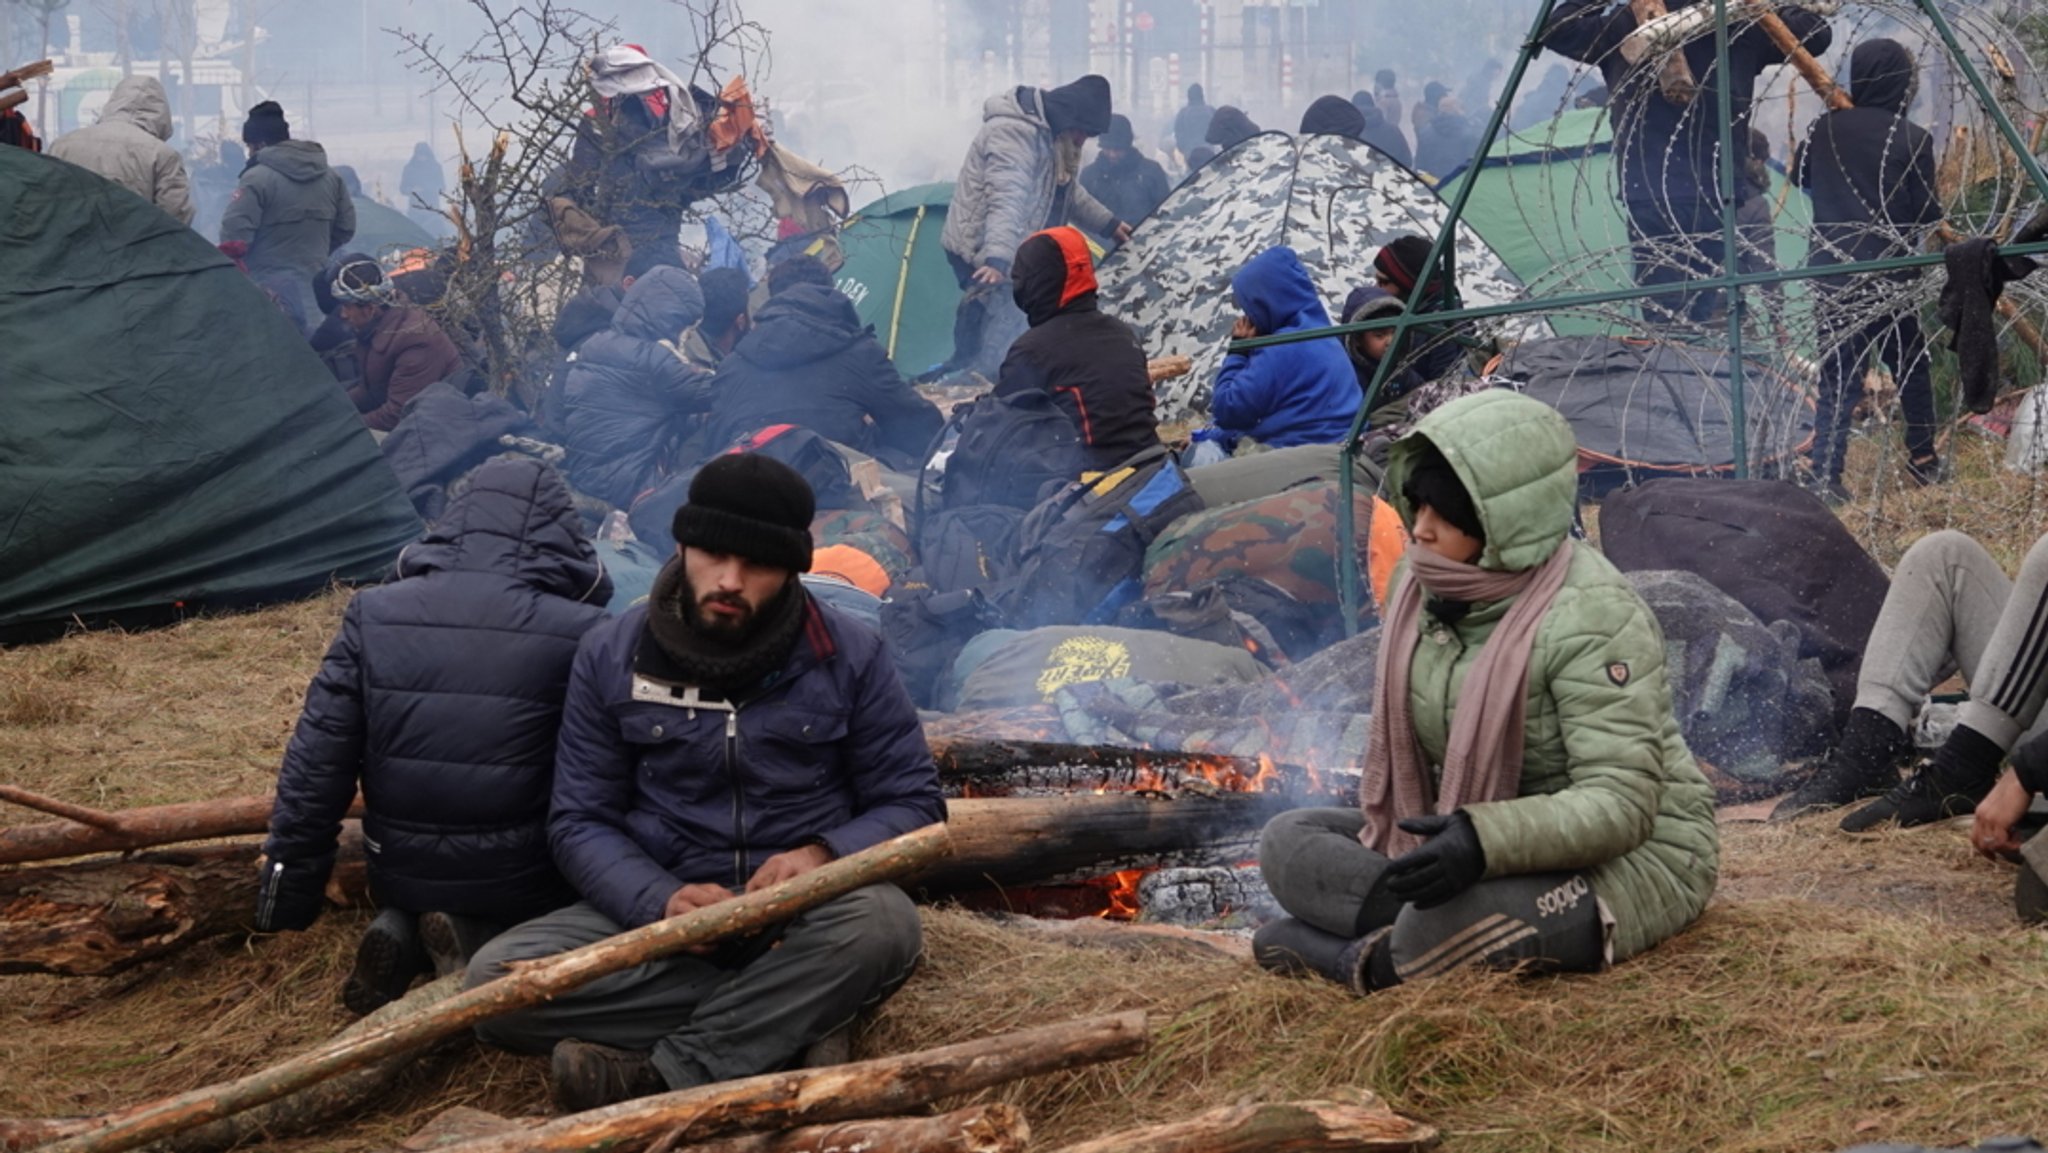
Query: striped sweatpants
1952	608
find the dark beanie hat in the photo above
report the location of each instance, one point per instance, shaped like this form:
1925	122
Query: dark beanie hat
1401	261
1120	134
746	504
1433	482
1384	78
1082	106
266	125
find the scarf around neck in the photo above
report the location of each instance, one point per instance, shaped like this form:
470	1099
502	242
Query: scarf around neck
1483	755
682	655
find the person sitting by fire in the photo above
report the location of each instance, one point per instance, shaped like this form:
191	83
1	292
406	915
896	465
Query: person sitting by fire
1547	813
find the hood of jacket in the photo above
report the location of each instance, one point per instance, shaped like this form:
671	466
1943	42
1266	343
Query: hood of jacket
1369	301
1054	273
141	101
1518	460
587	313
802	324
513	517
1024	103
1332	116
660	305
1275	290
1882	75
300	161
1230	126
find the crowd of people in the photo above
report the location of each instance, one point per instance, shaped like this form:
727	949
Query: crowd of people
538	774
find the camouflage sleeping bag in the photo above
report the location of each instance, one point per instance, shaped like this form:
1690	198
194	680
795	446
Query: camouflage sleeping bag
1289	539
871	533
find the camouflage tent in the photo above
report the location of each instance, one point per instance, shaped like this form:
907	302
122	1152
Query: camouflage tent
1334	200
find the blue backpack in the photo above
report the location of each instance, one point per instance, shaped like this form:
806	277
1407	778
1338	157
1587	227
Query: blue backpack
1081	552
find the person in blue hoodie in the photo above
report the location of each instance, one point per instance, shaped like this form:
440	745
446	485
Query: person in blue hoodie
1287	394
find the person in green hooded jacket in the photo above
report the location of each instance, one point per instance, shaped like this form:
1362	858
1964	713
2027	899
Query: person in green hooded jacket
1527	797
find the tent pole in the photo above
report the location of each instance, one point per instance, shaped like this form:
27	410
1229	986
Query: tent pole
1724	101
1349	584
903	280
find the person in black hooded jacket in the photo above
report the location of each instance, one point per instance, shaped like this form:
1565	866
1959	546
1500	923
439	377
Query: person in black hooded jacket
1380	132
1870	172
1333	116
808	360
1126	181
441	697
1089	361
629	397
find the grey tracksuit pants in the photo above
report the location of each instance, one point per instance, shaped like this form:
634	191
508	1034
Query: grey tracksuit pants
751	1007
1952	607
1321	874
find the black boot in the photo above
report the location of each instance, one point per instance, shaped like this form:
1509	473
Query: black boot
451	940
1296	948
1864	763
1963	771
585	1075
387	960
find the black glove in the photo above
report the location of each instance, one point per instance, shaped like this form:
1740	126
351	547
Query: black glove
292	893
1447	863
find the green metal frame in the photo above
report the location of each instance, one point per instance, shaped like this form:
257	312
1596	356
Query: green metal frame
1441	256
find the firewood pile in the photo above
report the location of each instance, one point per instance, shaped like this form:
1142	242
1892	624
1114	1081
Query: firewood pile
883	1103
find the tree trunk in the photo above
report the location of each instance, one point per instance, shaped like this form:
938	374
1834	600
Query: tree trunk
530	985
95	918
1284	1127
981	1129
303	1112
883	1086
140	829
996	767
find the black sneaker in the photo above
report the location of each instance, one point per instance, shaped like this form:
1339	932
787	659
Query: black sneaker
1864	763
387	960
451	941
587	1076
1920	799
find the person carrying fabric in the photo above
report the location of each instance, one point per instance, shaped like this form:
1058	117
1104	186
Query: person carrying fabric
127	147
808	360
1288	394
640	156
1021	174
1950	608
1670	188
1087	360
730	734
289	211
400	350
1126	181
629	398
1870	172
440	697
1527	797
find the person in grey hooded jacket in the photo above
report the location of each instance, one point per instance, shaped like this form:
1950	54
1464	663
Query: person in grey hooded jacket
1021	175
289	212
127	147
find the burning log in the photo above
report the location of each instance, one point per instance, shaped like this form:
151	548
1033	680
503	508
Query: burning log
981	1129
881	1087
1005	767
139	829
1034	840
1283	1127
1204	896
95	918
530	985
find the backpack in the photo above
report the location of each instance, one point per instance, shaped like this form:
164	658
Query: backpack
971	547
1081	553
1010	448
926	630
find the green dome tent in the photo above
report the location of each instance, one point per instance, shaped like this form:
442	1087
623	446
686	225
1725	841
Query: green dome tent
1546	200
898	277
172	443
383	231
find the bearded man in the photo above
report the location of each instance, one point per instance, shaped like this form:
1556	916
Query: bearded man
729	734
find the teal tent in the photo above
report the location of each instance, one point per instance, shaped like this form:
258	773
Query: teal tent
898	277
171	443
1546	200
383	232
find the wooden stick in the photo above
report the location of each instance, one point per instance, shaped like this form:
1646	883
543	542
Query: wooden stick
143	828
1286	1127
541	981
26	72
995	1128
1674	75
96	818
13	98
864	1089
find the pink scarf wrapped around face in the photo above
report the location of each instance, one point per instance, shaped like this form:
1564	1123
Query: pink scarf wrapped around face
1483	757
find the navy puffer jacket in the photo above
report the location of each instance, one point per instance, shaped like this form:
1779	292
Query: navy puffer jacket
442	695
628	398
651	794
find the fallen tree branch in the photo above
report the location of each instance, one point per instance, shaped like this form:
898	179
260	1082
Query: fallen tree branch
144	828
865	1089
980	1129
1284	1127
96	818
530	985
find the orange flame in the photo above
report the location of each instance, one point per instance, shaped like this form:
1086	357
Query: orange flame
1123	894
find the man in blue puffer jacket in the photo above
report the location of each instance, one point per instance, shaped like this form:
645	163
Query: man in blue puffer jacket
441	696
629	400
1289	394
730	734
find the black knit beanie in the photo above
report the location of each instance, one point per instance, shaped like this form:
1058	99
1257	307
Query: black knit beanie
266	125
746	504
1401	260
1433	482
1081	106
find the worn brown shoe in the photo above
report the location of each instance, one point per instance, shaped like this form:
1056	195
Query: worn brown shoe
589	1076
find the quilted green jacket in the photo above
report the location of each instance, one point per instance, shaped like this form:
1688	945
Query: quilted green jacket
1608	785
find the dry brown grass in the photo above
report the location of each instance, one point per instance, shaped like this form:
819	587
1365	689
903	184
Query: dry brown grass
1837	983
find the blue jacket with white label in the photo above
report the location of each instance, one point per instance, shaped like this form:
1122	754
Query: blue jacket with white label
652	794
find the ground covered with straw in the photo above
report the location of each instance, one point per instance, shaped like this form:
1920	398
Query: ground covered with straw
1839	990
